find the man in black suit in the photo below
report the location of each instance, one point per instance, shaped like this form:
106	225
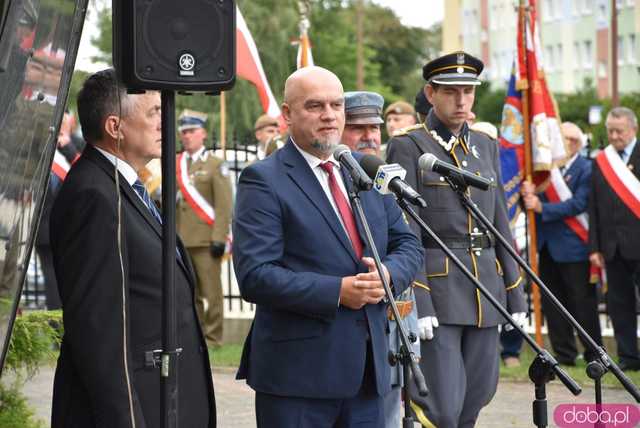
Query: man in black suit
107	248
614	228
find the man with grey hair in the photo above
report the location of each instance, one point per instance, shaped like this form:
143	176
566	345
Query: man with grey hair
614	229
106	237
562	245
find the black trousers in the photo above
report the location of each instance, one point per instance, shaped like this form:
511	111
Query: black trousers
569	282
621	305
50	282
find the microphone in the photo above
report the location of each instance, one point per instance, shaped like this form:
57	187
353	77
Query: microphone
429	162
389	178
342	153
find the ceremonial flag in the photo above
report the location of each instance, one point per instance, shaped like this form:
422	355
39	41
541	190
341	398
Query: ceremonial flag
304	57
511	147
547	145
249	66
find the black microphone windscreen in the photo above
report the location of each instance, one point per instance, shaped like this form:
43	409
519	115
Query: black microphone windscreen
340	150
427	161
370	164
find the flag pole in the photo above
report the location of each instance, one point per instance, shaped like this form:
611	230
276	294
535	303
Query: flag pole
528	174
223	124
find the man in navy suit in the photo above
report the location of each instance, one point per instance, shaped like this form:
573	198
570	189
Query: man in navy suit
564	253
316	354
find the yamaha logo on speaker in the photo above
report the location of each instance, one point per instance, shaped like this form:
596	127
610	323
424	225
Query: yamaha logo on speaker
186	62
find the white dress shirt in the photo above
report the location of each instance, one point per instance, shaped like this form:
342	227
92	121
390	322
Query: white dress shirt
323	178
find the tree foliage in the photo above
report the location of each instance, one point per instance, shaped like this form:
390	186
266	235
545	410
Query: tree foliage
393	54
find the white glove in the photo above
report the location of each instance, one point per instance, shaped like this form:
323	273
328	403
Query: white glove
519	317
426	326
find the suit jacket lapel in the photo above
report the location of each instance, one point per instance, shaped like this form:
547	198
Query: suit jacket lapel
135	200
305	179
634	160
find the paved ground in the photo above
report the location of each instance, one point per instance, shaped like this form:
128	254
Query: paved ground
510	408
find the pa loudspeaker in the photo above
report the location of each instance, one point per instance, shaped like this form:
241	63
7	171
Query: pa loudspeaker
186	45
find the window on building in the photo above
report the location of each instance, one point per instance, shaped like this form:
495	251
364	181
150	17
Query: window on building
621	58
631	3
558	10
475	24
577	55
631	49
547	10
620	4
587	7
549	60
602	12
575	7
588	54
559	57
602	70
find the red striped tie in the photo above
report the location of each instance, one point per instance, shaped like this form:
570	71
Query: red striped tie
344	208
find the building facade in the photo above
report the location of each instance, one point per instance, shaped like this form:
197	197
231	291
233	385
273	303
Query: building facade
575	40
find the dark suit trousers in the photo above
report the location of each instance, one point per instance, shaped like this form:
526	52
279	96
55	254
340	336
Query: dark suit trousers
363	410
569	282
50	283
621	305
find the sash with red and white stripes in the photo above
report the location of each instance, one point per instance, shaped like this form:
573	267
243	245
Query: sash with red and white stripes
200	206
620	178
60	166
558	191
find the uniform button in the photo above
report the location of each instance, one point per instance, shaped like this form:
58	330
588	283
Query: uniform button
475	230
464	163
441	178
491	179
477	253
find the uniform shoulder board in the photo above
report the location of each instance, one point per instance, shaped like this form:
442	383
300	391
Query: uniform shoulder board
484	134
406	130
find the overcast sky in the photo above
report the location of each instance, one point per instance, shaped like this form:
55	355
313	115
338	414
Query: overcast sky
415	13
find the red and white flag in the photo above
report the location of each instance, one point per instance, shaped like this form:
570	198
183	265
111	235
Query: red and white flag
60	167
249	66
546	138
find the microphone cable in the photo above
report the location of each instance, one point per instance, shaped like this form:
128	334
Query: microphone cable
125	347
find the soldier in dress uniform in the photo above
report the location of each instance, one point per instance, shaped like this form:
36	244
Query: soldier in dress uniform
203	217
399	115
457	325
267	133
362	134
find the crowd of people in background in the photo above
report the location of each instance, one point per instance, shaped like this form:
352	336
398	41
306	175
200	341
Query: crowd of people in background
590	222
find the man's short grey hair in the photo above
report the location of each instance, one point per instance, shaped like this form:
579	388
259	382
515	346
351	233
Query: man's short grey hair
102	94
619	112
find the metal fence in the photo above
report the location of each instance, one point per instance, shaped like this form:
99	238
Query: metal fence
237	157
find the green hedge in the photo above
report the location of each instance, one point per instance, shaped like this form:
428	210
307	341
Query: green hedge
34	341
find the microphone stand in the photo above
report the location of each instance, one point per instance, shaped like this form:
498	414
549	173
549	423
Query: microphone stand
544	366
595	369
405	356
168	357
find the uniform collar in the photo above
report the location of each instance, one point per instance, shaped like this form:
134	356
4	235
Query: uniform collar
434	124
199	155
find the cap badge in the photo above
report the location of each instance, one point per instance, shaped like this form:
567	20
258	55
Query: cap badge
460	58
460	70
